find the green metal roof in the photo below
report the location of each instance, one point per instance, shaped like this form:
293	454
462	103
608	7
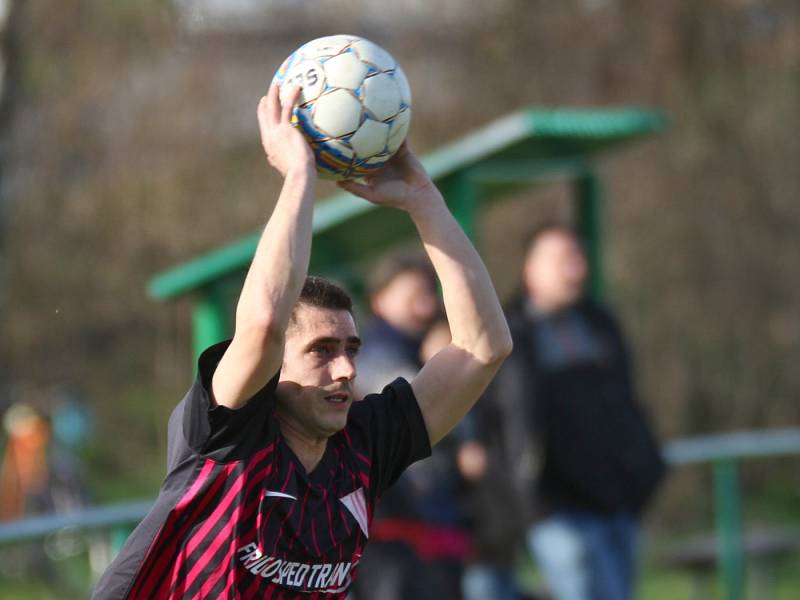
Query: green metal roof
510	153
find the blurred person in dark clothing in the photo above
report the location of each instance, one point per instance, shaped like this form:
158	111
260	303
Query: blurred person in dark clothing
403	302
564	412
494	518
417	543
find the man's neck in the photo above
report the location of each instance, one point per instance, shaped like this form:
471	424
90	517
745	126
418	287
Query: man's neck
544	307
541	309
408	331
307	448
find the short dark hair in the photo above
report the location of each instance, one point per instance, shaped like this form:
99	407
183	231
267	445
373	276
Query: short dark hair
389	268
322	293
535	234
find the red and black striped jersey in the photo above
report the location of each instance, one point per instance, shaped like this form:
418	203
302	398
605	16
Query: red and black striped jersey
238	517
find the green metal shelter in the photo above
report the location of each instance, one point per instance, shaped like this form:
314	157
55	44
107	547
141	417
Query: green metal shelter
524	148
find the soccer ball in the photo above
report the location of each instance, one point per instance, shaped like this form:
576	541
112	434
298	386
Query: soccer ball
355	105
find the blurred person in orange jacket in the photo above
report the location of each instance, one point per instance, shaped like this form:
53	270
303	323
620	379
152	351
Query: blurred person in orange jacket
24	473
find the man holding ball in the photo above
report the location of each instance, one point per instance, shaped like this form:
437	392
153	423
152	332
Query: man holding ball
273	471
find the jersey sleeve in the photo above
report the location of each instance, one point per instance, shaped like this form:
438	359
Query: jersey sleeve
395	432
218	431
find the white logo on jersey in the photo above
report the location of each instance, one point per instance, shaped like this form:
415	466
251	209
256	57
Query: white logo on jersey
280	495
356	503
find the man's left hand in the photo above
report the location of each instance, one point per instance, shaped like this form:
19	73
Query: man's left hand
401	183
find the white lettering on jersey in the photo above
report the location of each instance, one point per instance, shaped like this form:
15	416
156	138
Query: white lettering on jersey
324	577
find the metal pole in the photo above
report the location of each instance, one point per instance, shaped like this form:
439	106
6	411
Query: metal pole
727	514
589	208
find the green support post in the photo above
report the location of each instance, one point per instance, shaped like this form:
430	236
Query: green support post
589	208
463	202
728	517
210	319
119	535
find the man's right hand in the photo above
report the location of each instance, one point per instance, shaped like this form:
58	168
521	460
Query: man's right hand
286	148
280	264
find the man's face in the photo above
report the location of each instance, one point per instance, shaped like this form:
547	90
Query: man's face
555	271
408	303
315	388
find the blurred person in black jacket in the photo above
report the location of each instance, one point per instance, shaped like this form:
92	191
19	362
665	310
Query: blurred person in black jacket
417	540
563	419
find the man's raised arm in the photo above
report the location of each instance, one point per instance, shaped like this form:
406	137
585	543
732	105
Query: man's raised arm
280	264
452	380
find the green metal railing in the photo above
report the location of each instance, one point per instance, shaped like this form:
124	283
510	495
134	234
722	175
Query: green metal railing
723	452
110	517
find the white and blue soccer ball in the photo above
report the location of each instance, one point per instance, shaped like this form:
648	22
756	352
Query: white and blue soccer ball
355	105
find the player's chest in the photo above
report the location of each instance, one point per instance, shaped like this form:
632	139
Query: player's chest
289	511
304	532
